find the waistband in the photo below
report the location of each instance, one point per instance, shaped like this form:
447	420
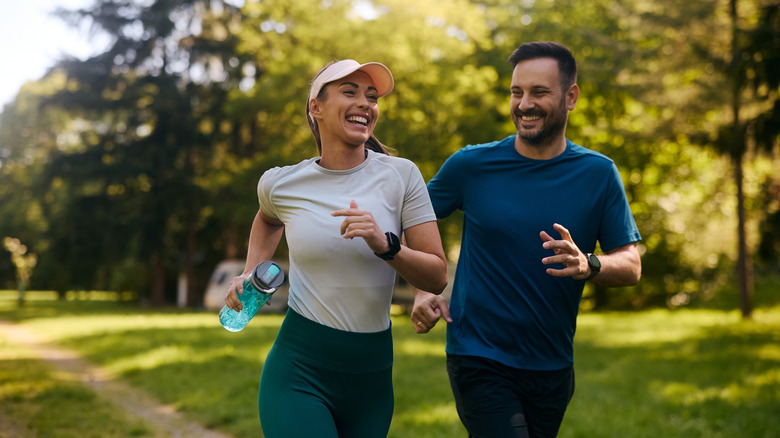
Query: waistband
335	349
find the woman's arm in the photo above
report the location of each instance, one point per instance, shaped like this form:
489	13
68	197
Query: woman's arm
264	237
421	261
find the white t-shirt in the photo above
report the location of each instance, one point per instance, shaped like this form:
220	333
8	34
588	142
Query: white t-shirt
335	281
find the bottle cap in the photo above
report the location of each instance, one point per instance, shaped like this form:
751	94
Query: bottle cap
267	277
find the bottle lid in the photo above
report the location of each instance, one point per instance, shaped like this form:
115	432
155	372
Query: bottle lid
267	277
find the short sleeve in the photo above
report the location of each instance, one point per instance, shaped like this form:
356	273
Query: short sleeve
264	187
417	207
618	226
446	188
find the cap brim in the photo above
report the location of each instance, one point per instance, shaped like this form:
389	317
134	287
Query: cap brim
380	76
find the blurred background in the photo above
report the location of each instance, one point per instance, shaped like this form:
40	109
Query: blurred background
129	161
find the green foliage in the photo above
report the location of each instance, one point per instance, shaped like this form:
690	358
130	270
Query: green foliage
128	169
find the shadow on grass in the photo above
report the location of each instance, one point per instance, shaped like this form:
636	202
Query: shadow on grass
34	403
723	382
206	373
187	360
646	374
424	407
11	311
213	375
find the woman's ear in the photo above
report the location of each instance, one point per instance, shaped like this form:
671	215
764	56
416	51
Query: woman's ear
314	107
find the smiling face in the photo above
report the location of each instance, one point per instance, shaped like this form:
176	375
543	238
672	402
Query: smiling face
347	110
539	104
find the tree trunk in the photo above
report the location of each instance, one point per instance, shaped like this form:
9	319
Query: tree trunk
21	290
193	297
744	268
744	262
158	282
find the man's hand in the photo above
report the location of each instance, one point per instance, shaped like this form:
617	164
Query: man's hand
427	310
566	253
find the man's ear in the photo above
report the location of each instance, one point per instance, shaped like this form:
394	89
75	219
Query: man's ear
572	94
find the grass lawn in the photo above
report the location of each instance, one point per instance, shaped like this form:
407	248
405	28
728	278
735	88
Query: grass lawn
36	400
687	373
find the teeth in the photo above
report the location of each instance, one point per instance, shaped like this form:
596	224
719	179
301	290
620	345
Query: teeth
530	118
358	119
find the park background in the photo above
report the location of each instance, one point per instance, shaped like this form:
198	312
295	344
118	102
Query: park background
133	171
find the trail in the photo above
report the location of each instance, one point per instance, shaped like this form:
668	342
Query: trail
135	401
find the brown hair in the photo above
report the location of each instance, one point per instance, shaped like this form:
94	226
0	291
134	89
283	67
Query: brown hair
372	143
567	66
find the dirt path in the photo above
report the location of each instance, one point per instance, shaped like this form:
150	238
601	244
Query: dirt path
136	402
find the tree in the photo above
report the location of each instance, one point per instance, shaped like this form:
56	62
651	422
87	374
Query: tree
128	183
128	169
23	261
442	96
760	127
28	136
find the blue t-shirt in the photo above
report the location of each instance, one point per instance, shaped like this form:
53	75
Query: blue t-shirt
504	305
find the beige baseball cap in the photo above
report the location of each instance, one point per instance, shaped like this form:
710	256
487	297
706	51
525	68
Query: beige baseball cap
380	75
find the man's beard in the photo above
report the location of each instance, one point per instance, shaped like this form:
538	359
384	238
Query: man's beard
554	125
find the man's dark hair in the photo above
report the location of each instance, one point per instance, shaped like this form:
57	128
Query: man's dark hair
567	66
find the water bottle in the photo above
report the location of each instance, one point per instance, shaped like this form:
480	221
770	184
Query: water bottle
258	288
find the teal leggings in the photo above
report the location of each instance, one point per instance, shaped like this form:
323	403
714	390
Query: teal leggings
329	383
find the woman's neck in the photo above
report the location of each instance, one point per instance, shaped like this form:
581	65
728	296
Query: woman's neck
342	158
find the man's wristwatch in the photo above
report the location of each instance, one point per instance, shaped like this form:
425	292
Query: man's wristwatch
594	264
395	245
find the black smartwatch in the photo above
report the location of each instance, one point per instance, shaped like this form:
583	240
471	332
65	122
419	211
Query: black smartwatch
395	245
594	264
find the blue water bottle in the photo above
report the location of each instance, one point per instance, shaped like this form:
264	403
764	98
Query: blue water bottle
261	284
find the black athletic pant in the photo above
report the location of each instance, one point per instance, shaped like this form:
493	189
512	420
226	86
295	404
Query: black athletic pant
498	401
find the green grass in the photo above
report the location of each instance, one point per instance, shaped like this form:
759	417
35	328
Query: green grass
38	401
677	374
688	373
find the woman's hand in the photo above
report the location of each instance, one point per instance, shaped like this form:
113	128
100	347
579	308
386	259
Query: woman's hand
361	223
421	259
236	287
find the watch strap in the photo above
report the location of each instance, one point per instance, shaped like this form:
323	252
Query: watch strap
395	245
594	264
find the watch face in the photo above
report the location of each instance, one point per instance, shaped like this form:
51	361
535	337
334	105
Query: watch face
594	261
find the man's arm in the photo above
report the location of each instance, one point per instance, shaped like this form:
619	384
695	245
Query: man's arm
620	266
